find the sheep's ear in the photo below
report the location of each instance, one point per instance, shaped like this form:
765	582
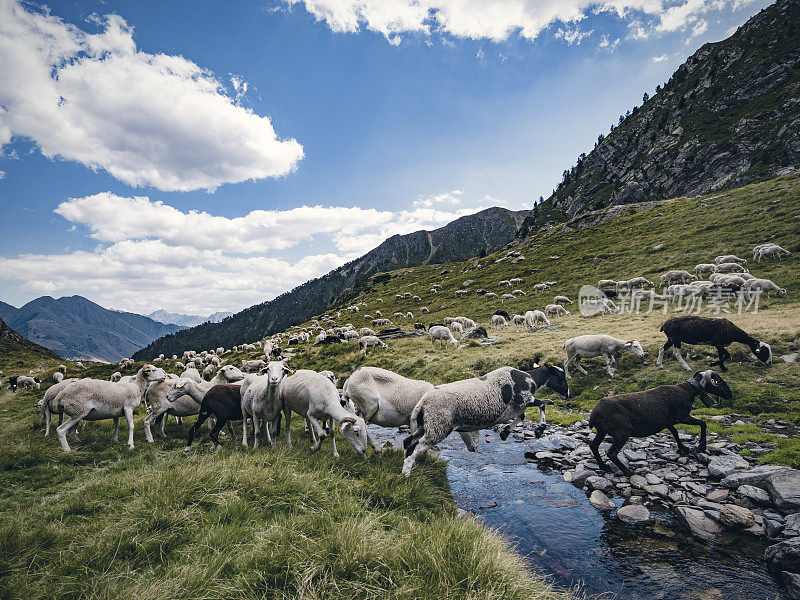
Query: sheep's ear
629	343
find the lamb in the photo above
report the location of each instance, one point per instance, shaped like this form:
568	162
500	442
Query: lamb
763	285
208	373
443	334
518	320
533	317
224	403
639	414
467	406
729	258
772	250
28	382
457	327
370	341
695	329
58	376
561	300
591	345
704	268
261	400
518	293
676	275
730	268
499	321
539	287
315	397
94	399
556	309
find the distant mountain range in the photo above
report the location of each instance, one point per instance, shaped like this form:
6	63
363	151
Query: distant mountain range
16	348
183	320
78	329
474	235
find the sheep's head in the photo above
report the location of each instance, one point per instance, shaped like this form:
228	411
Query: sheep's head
275	371
712	383
557	380
354	429
231	373
177	389
635	347
330	375
763	352
152	373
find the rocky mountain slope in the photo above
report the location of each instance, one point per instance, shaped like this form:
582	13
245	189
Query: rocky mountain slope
168	318
472	235
728	116
20	351
76	328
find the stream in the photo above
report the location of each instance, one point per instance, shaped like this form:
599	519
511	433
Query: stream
552	523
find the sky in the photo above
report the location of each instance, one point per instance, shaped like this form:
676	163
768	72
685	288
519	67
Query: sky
200	156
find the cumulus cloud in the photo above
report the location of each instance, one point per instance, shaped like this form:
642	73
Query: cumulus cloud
500	19
572	36
151	255
147	119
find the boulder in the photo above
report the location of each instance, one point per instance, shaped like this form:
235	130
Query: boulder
736	517
597	482
600	501
756	476
578	476
475	333
638	481
555	443
717	496
791	525
697	522
634	513
792	583
784	556
722	466
751	492
784	489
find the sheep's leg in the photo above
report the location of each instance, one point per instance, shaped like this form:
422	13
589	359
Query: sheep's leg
129	418
415	449
566	369
594	445
231	432
196	427
257	429
677	352
115	437
542	421
333	439
268	434
46	412
609	370
244	428
162	431
690	420
506	431
723	356
62	429
73	432
214	433
287	413
682	450
577	363
471	439
613	454
320	432
664	348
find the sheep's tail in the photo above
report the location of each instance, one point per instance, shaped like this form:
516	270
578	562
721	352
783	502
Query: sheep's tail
417	416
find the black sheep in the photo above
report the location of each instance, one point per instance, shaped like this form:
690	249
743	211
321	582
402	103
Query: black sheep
694	329
12	383
503	313
222	401
644	413
420	326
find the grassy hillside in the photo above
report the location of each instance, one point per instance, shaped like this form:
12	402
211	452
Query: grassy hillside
17	353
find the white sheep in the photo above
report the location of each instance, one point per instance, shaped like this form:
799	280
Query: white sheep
261	400
410	316
540	287
58	377
351	336
115	376
561	300
731	268
443	334
490	295
704	268
771	250
499	322
518	320
48	406
62	368
676	275
597	306
729	258
763	285
28	382
556	309
370	341
505	297
607	284
424	310
534	317
365	331
94	399
588	346
518	293
457	327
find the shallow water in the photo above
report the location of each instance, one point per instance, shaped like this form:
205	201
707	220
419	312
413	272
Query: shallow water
553	524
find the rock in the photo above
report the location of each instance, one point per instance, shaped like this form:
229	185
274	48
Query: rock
597	482
751	492
633	455
717	496
600	501
638	481
653	479
790	358
784	556
772	528
722	466
784	489
697	522
792	525
578	476
463	515
756	476
634	513
792	583
555	443
661	490
736	517
475	333
488	504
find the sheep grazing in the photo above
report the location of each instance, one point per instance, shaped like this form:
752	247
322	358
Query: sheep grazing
32	383
561	300
504	313
424	310
224	403
591	345
644	413
467	406
315	397
250	366
420	327
518	293
443	334
499	322
94	399
457	327
556	309
365	331
767	250
261	400
729	258
518	320
115	376
533	318
638	282
383	397
704	268
540	287
370	341
58	377
678	276
763	285
717	332
730	268
597	306
607	284
490	295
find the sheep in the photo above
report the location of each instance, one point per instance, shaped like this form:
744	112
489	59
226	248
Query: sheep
556	309
416	298
639	282
367	317
597	306
490	295
505	297
457	327
763	285
561	300
351	336
183	398
208	373
676	275
115	376
261	399
704	268
370	341
249	366
420	326
48	405
192	373
410	316
610	284
540	287
591	345
79	365
224	403
406	294
94	399
378	314
460	293
505	282
772	250
12	383
534	317
28	382
467	406
639	414
465	322
399	316
499	321
729	258
515	280
518	293
518	320
730	268
179	366
58	377
717	332
62	368
443	334
398	296
365	331
315	397
381	322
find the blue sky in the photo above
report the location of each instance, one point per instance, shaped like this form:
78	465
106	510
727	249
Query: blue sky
138	170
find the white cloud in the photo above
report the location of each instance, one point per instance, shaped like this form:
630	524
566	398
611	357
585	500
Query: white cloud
572	36
661	58
151	255
699	28
147	119
500	19
2	174
608	43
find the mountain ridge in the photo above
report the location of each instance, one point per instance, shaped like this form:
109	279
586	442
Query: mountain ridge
184	320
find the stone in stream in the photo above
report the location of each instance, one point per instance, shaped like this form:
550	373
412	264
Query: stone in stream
598	483
634	513
751	492
736	517
555	443
784	556
600	501
792	525
578	476
784	489
488	504
697	522
722	466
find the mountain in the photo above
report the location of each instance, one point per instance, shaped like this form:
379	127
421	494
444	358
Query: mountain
7	311
76	328
473	235
728	116
183	320
16	350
